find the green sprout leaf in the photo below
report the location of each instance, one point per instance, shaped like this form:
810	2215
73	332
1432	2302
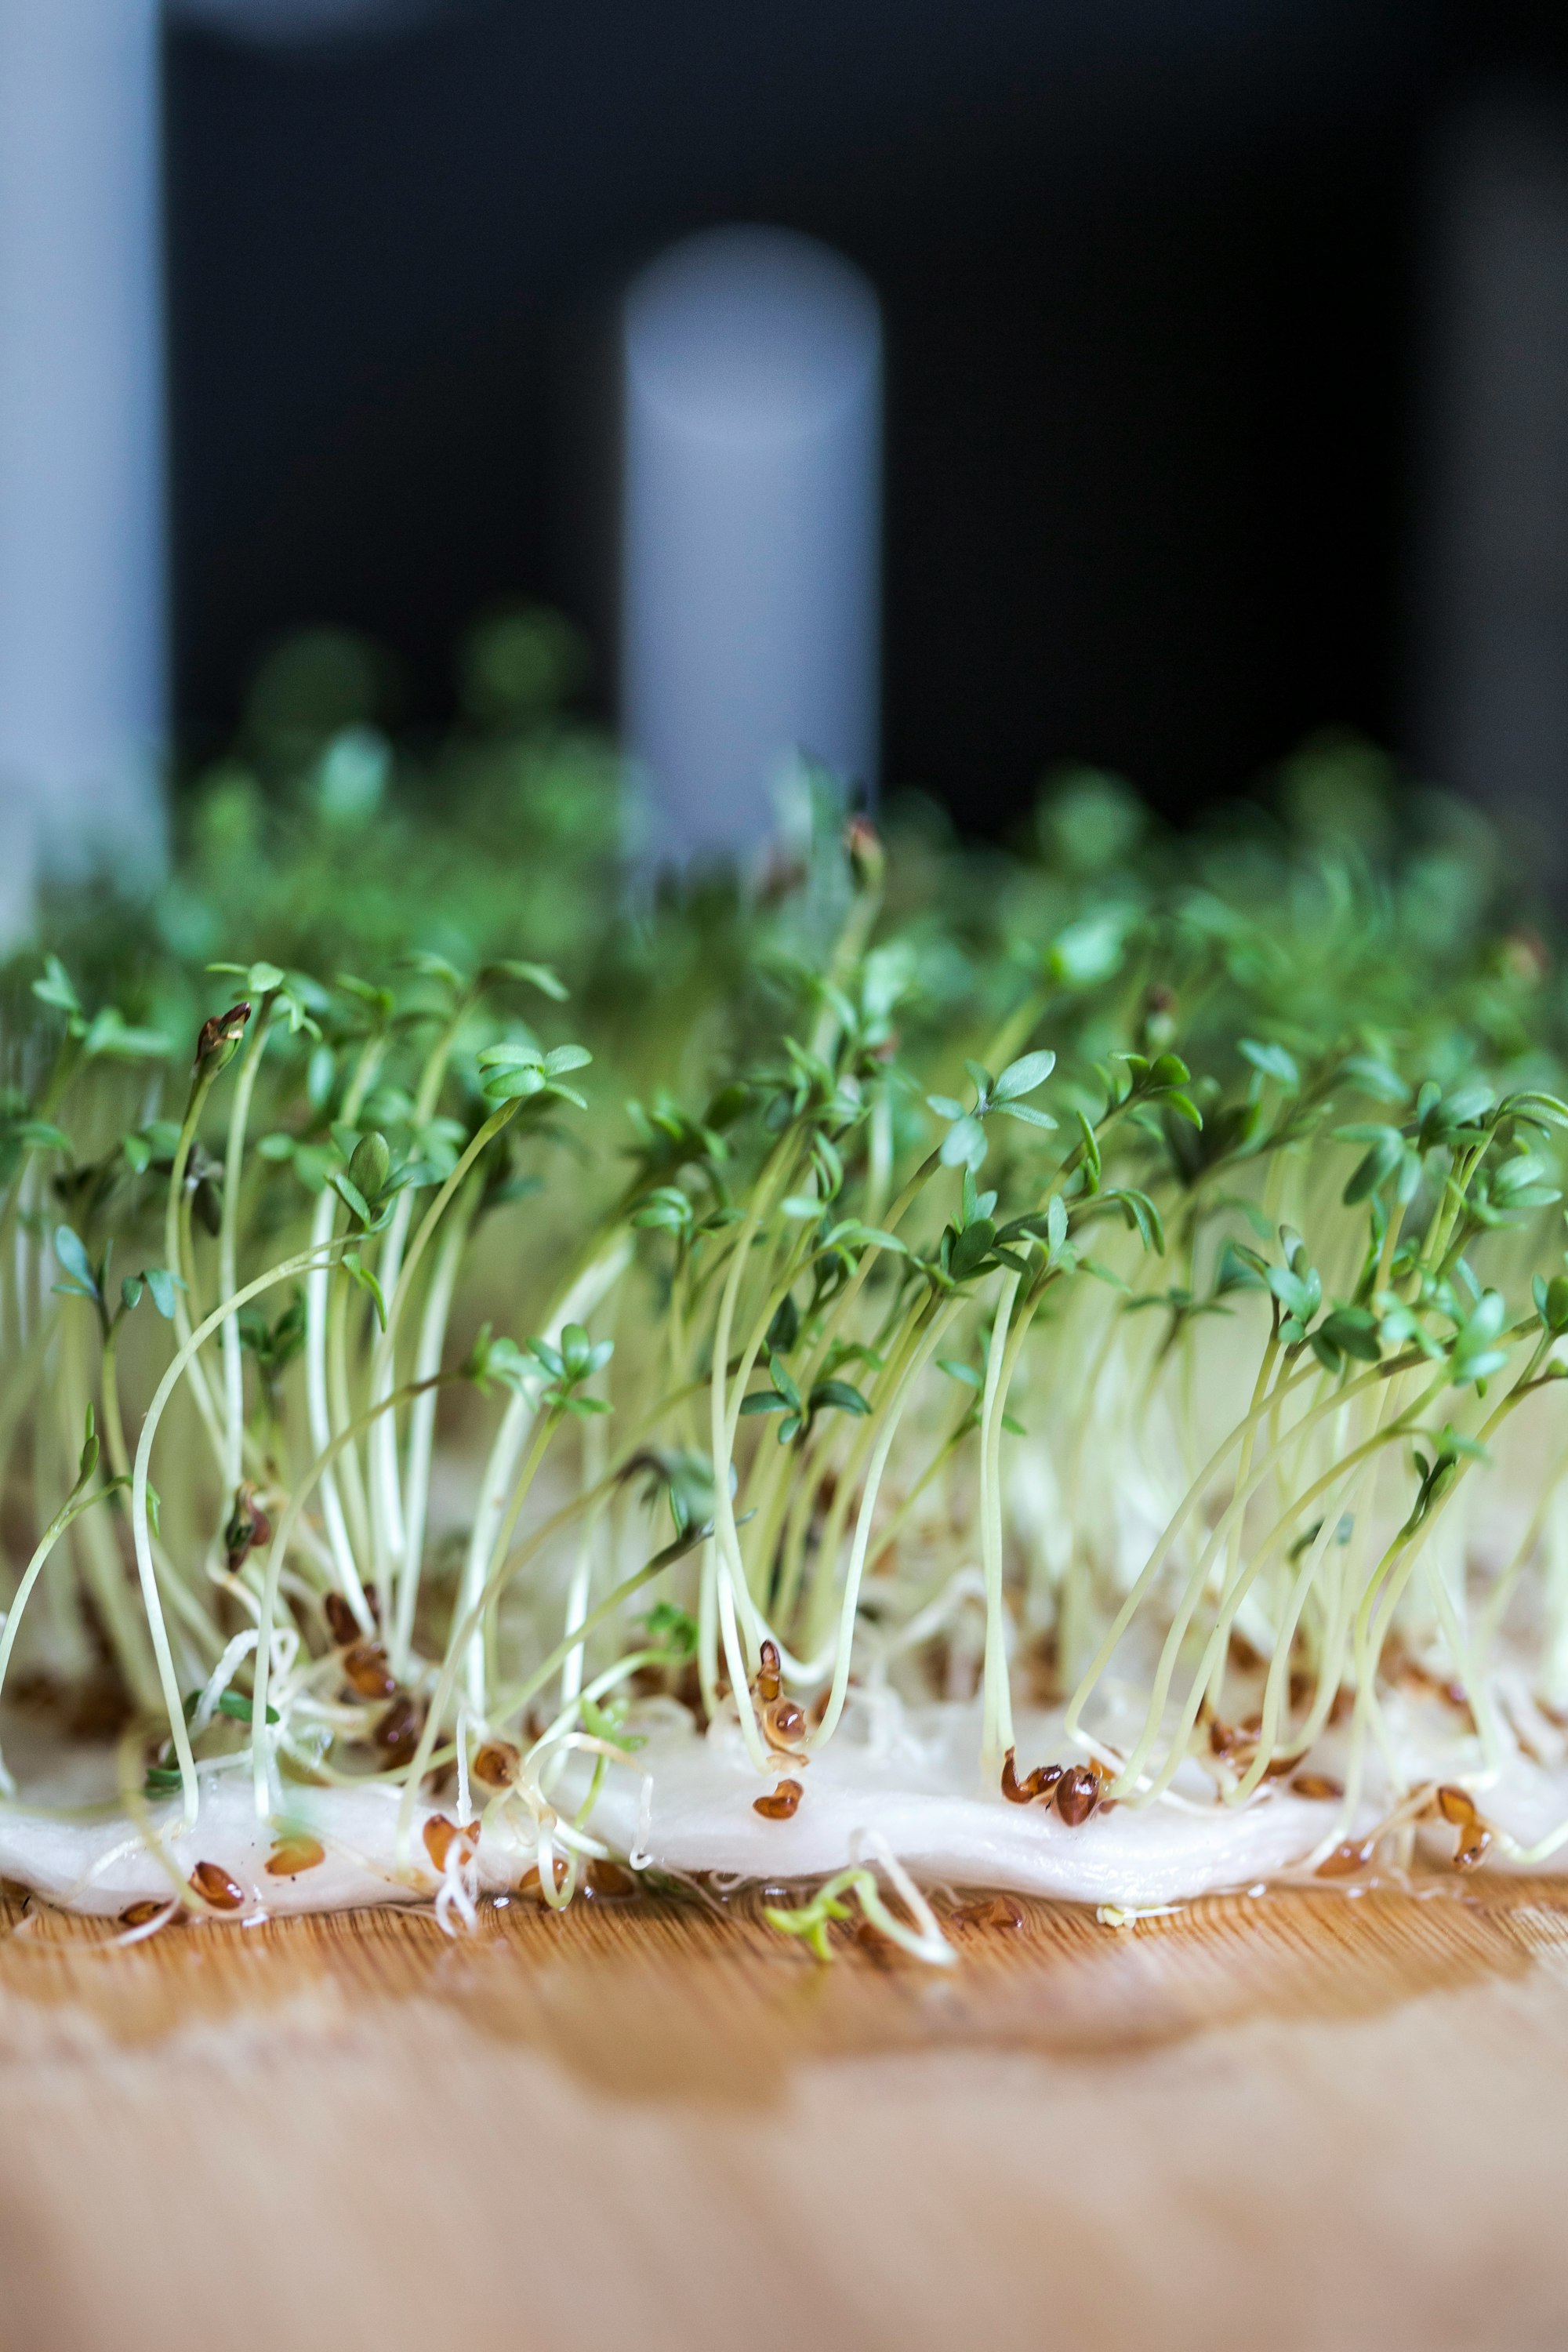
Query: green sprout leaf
354	1266
535	975
55	989
1272	1061
1023	1077
71	1253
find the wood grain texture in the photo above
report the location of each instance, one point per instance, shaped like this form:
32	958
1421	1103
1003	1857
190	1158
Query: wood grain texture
1298	2121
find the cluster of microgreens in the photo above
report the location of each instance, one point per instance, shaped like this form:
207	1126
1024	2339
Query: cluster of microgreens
1135	1251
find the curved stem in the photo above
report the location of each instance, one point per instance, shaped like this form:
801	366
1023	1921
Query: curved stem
260	1750
996	1737
177	1257
140	1528
878	1464
422	1422
228	1252
72	1508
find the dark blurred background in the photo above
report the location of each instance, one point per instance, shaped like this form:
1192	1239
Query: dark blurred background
1162	291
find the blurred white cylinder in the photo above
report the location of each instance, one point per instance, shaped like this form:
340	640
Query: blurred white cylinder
750	577
81	559
1492	589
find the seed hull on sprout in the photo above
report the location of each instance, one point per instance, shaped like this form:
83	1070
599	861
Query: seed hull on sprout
1063	1396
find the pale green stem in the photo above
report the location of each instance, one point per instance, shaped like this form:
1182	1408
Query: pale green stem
422	1421
140	1528
1189	1504
513	1701
178	1259
495	1488
388	1532
12	1624
228	1253
261	1754
318	1299
878	1464
996	1737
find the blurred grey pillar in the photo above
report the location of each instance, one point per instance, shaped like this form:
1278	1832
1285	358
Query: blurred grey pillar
1493	593
751	528
82	565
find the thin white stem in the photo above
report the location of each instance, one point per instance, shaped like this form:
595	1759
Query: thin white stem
140	1530
421	1424
228	1255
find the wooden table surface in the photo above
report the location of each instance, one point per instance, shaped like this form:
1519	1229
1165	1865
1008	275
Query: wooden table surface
1300	2120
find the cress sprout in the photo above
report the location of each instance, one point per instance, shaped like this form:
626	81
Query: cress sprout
1125	1275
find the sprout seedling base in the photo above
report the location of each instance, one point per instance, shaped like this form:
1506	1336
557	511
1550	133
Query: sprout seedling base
1301	2118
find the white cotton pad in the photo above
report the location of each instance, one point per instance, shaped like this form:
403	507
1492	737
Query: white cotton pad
905	1776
